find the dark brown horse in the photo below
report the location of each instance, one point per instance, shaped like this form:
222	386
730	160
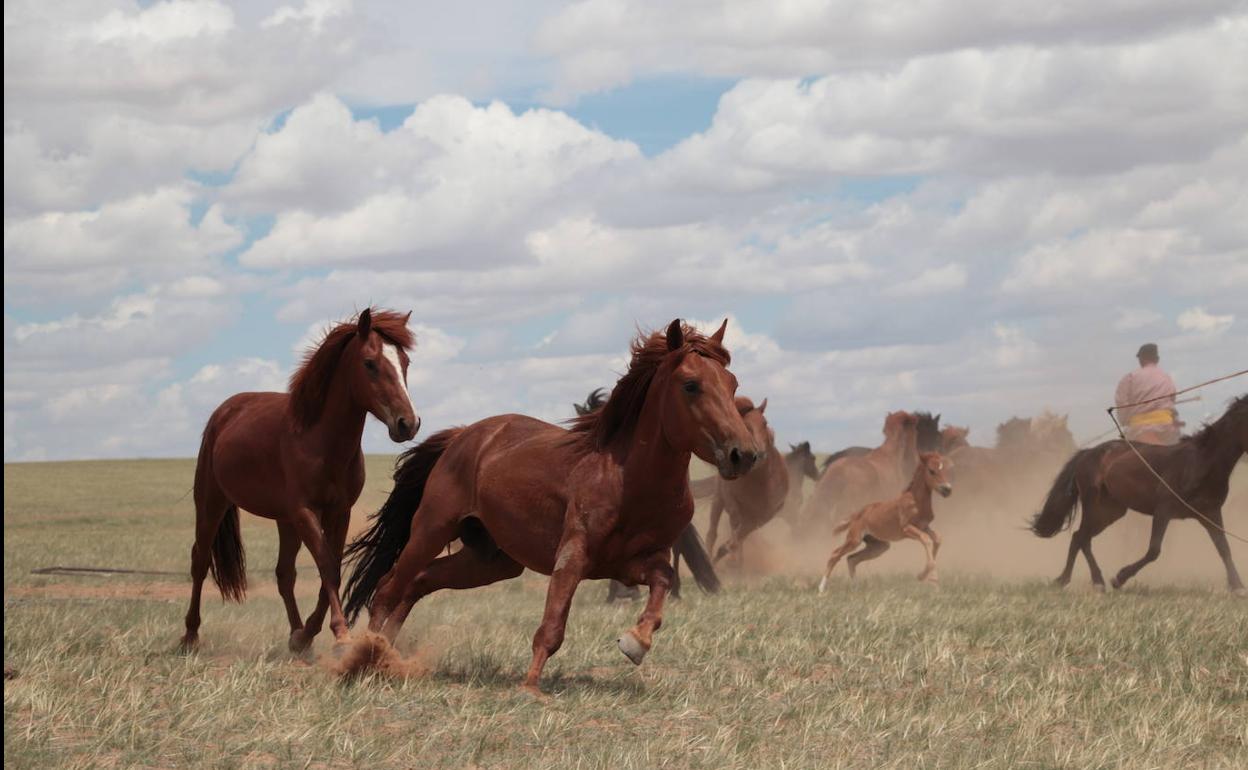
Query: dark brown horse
689	544
604	500
1108	479
754	499
853	481
295	458
800	462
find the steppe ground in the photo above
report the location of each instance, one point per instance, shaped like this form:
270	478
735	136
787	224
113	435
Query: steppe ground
995	669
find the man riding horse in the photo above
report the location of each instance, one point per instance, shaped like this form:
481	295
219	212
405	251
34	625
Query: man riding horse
1145	401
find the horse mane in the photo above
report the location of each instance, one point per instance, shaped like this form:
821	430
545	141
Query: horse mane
309	385
928	431
1013	432
593	402
744	405
618	416
1207	435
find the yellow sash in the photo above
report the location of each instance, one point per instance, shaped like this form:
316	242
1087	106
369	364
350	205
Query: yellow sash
1155	417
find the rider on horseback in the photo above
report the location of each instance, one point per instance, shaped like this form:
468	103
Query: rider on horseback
1145	401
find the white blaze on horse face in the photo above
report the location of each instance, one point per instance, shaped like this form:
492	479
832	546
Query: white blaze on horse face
391	354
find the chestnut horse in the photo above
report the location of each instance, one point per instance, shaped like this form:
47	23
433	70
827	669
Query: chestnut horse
1109	478
604	500
908	515
688	545
929	440
754	499
295	458
853	481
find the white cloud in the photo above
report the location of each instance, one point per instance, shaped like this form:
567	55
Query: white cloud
604	43
1197	319
934	280
93	251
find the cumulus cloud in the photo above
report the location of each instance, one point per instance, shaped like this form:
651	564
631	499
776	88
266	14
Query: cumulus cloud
1197	319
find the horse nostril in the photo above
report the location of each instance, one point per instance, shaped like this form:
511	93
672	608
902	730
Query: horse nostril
403	427
734	456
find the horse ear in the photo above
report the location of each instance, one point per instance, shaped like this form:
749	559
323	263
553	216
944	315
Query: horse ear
365	324
762	407
407	317
805	445
675	336
718	336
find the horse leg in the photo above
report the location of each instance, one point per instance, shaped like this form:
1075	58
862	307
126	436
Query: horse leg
655	572
1076	544
852	541
1224	550
211	506
434	524
1161	519
935	536
335	540
571	562
466	568
287	550
929	572
675	574
873	547
326	550
712	531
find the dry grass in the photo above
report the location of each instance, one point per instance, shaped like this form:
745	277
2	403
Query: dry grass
884	673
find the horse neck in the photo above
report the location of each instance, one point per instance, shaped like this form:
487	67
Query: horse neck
921	492
1223	452
340	428
649	459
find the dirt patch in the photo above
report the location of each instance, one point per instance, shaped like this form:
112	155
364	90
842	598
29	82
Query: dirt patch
371	653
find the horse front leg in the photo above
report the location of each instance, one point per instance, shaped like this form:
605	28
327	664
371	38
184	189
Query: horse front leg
1218	536
571	561
656	572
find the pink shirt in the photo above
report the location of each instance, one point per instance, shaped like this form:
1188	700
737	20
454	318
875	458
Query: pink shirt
1147	382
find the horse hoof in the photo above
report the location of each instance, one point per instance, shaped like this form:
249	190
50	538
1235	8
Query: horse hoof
632	648
823	584
298	641
1100	587
1116	583
1241	591
1061	582
534	692
188	644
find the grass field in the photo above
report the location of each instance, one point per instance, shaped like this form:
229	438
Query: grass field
886	673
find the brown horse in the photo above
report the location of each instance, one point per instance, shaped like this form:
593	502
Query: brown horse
604	500
801	465
1108	479
928	438
754	499
953	438
853	481
1026	452
295	458
908	515
689	544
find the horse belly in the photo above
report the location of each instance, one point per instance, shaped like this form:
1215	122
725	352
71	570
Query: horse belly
245	454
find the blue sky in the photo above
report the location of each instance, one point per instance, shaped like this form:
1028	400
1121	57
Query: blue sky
910	214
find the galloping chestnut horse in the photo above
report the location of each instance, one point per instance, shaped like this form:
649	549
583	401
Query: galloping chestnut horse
852	482
909	515
1109	478
754	499
688	545
605	499
295	458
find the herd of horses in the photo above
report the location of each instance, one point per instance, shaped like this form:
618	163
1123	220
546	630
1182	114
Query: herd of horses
609	496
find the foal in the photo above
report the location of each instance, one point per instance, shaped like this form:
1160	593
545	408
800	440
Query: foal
909	515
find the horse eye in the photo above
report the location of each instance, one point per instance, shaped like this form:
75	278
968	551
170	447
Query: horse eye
691	386
370	364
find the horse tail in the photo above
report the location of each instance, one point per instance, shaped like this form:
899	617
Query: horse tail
375	551
703	487
229	560
689	545
228	565
1059	506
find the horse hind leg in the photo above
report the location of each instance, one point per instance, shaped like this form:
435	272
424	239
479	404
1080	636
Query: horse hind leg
851	542
211	507
1161	519
466	568
873	548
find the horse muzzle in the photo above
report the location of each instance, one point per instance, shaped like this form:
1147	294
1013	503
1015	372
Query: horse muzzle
945	490
402	429
735	461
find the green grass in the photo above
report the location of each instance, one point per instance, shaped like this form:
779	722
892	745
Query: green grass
884	673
